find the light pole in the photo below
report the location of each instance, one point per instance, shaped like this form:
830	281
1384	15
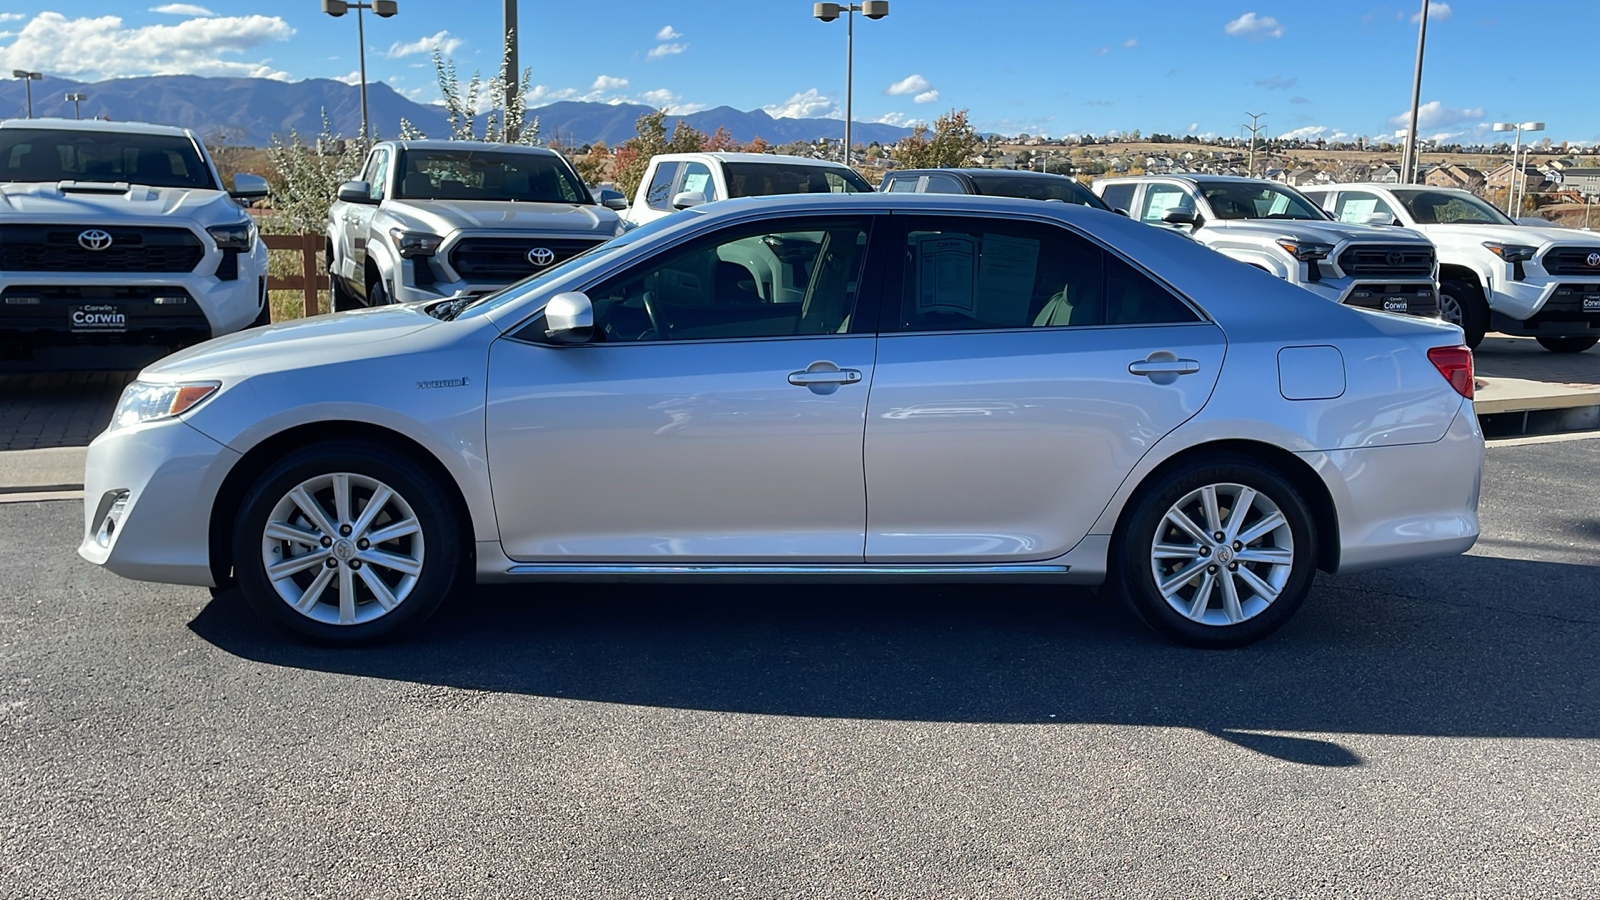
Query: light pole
1408	160
75	99
28	78
1254	126
1516	150
383	9
511	68
827	12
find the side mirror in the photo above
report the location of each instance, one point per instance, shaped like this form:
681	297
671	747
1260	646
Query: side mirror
569	318
355	192
686	199
1178	216
613	199
1382	219
248	187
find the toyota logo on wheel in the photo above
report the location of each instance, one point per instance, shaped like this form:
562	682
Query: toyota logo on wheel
541	256
1593	260
94	239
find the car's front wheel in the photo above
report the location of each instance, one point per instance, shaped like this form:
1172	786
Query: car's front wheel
1570	344
346	542
1463	305
1217	553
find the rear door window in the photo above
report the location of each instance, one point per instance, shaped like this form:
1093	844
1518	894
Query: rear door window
1158	198
944	184
1119	196
659	194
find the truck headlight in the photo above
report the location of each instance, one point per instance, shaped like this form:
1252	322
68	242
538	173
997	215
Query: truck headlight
1516	254
146	402
413	244
239	236
1309	252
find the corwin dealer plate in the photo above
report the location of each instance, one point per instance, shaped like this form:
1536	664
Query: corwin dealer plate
1591	304
99	319
1396	305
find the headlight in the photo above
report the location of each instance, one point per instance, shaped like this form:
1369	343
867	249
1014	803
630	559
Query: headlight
1305	251
238	236
146	402
413	244
1511	253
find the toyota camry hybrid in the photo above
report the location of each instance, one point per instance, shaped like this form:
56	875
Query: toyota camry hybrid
851	387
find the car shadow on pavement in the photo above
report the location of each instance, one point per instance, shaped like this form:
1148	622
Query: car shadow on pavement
1367	654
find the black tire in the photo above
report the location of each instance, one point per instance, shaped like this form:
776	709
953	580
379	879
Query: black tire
437	549
343	298
378	293
1571	344
1474	318
1134	562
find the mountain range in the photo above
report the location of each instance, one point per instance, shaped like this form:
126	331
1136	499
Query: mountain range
252	110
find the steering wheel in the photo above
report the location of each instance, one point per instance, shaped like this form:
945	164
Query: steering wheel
656	322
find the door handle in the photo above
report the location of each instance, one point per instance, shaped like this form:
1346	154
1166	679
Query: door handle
1163	367
840	376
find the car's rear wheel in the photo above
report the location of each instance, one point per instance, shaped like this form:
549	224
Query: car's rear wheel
346	543
1569	344
1463	305
1217	553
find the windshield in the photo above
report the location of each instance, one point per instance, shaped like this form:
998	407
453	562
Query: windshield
488	175
1253	200
765	179
1041	188
471	306
1449	208
156	160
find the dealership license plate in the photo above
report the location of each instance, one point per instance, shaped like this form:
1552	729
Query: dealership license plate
1396	305
97	319
1591	304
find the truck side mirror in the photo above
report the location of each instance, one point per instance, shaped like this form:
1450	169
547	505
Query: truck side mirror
355	192
1380	219
686	199
613	199
248	187
1178	216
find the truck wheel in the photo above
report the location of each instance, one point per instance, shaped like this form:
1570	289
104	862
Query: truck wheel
1463	305
342	298
1572	344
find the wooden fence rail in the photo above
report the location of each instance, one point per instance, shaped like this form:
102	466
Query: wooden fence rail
309	281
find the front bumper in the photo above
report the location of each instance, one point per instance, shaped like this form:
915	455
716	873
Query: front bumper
1405	296
1550	305
166	475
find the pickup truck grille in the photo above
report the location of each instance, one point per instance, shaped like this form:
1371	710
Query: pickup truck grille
508	259
1573	261
56	248
1390	260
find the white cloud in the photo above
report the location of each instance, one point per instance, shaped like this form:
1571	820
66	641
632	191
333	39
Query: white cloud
445	43
1130	43
808	104
608	83
925	97
911	84
1313	133
900	120
353	78
1435	114
668	34
102	48
174	9
1254	27
12	17
1103	50
1193	127
661	51
1437	12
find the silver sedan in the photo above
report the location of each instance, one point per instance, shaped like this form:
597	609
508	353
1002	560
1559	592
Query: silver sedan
857	387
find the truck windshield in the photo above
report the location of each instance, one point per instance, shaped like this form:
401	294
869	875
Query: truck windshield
155	160
1041	188
488	175
764	179
1449	208
1252	200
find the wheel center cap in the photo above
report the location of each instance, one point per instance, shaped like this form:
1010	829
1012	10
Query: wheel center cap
344	550
1224	555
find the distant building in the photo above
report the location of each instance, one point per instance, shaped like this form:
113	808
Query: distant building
1450	175
1526	178
1584	181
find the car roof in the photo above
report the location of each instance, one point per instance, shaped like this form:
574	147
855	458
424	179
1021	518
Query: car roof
751	158
1190	178
985	173
1375	186
98	125
470	146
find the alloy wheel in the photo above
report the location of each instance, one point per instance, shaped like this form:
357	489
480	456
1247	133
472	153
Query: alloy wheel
1222	554
342	548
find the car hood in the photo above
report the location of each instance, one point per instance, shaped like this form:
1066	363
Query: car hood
296	344
49	201
445	216
1530	235
1326	232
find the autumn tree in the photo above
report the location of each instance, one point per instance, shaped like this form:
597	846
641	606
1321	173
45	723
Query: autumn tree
596	164
756	145
632	159
720	142
950	144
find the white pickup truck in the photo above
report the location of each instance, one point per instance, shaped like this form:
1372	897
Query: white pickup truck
1276	228
119	244
1494	273
677	181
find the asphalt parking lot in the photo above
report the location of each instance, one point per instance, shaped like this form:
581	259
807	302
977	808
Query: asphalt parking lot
1424	731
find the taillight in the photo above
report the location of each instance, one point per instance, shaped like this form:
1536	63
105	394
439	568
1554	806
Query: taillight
1455	364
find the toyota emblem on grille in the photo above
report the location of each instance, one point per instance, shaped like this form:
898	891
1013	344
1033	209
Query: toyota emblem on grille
1394	258
94	239
1593	260
541	256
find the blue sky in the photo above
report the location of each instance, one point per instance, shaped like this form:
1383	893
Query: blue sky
1056	67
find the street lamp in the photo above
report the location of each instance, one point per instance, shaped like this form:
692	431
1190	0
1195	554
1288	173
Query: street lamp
383	9
75	99
28	78
1519	128
827	12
